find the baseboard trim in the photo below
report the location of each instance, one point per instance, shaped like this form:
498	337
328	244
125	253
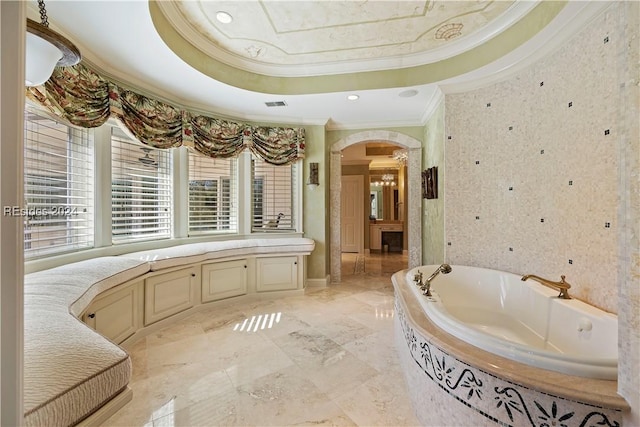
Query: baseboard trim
319	283
108	409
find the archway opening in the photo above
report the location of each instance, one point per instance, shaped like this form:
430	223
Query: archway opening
405	209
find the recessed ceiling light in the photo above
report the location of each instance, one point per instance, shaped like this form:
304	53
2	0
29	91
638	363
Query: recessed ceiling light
224	17
353	97
408	93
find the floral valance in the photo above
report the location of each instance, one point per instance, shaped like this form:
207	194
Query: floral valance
84	98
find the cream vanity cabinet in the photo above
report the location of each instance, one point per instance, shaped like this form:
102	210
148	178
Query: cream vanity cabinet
278	273
117	313
224	279
168	293
376	231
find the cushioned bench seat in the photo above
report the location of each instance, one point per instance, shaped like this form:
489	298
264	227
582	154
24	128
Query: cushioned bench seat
199	252
70	370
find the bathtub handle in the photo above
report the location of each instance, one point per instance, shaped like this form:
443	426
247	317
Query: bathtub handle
561	286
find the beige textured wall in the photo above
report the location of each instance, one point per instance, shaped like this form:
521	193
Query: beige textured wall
627	17
532	169
315	203
602	81
433	244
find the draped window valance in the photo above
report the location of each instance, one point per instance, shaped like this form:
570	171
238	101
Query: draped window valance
86	99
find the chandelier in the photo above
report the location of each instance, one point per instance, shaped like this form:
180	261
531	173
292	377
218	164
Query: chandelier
387	179
45	50
400	156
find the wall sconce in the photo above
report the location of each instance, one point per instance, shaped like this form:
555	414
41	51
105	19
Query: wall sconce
45	50
314	177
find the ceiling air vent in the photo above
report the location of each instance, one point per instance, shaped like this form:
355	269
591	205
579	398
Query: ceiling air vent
276	104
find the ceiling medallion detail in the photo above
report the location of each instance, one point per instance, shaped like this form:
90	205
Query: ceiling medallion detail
254	51
449	31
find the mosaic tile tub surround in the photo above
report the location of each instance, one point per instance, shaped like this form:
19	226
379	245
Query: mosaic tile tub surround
448	390
532	169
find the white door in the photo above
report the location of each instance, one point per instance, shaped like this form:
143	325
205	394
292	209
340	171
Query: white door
352	223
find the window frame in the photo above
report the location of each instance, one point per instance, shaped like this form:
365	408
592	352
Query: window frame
232	178
295	207
76	202
152	192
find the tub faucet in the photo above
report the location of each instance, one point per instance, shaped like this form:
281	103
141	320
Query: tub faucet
417	278
561	286
426	287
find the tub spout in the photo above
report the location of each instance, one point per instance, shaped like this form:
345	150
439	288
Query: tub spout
561	286
426	287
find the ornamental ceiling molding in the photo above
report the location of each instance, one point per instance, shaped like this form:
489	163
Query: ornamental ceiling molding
491	49
412	48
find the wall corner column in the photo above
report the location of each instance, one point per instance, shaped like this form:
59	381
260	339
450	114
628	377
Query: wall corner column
12	45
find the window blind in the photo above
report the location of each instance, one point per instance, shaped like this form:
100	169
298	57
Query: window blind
140	190
213	194
58	187
274	200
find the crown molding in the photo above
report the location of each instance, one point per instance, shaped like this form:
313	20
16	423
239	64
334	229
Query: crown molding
500	44
432	106
455	47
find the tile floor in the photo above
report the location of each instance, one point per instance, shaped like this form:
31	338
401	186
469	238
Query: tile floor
323	358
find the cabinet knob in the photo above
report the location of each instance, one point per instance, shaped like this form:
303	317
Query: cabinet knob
193	274
295	263
245	266
91	316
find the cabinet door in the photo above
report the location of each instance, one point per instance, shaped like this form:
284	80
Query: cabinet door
169	293
224	280
115	315
277	273
375	237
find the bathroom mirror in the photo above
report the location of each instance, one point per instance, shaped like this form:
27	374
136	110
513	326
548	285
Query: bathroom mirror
383	188
376	202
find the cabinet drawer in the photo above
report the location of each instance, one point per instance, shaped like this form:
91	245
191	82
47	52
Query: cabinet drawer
224	280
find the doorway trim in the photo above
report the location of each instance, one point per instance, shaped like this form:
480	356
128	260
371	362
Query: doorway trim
414	197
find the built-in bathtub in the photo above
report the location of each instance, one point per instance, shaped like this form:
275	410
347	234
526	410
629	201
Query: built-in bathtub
522	321
453	377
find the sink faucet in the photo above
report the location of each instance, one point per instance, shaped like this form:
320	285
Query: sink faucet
426	286
561	286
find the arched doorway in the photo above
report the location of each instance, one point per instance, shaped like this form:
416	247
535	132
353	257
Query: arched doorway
414	224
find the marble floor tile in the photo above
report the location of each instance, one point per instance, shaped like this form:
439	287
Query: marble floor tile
288	397
326	358
343	330
379	402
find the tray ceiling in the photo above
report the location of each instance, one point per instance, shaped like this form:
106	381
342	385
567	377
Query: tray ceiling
320	37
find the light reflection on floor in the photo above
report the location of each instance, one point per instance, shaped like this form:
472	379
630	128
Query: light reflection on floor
272	319
326	357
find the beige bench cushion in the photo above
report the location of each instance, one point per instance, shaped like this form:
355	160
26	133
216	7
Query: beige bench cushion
69	369
199	252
